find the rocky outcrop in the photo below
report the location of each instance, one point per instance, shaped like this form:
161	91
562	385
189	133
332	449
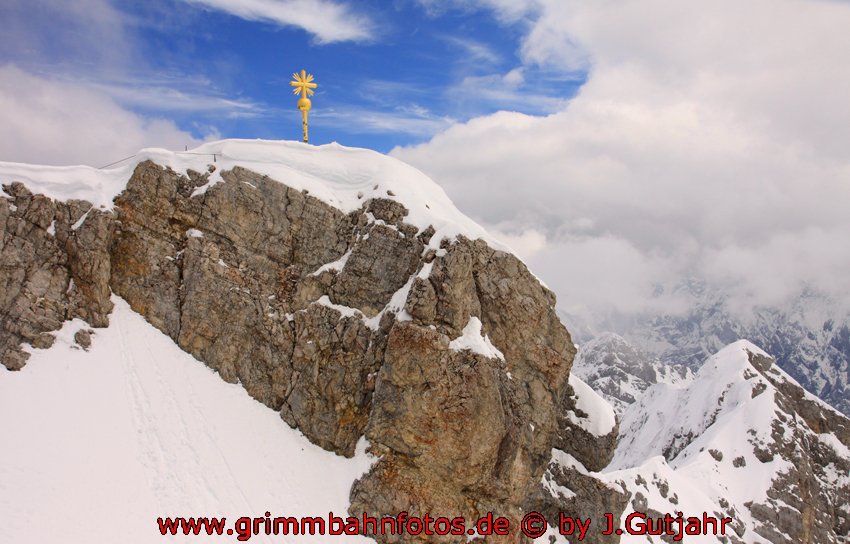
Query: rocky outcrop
474	433
227	275
806	503
349	324
594	450
55	267
570	490
585	444
442	351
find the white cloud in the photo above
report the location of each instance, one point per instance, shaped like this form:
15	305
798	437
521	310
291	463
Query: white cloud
600	276
709	139
551	41
327	20
525	242
58	122
67	98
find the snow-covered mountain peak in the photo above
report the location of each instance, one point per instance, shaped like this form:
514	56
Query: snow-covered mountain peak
333	286
340	288
343	177
746	439
667	419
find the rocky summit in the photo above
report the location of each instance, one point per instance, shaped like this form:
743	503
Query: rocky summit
350	320
343	290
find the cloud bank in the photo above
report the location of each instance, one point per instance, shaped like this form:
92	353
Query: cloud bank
710	140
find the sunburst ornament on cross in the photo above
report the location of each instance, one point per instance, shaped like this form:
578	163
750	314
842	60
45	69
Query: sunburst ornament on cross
303	85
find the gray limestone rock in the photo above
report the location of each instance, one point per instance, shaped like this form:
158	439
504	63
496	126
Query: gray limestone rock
807	503
83	338
574	493
55	266
594	452
291	298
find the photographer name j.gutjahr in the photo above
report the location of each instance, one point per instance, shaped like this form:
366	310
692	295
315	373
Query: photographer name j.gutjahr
678	526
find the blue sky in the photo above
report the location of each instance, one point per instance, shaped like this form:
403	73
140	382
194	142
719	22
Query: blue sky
389	72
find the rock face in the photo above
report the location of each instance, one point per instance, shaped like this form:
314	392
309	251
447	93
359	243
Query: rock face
806	503
586	442
349	324
474	433
55	266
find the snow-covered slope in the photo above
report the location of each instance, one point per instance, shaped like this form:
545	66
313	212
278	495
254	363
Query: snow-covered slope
600	419
97	445
741	440
341	176
668	420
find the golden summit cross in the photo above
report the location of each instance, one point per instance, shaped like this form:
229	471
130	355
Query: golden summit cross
304	86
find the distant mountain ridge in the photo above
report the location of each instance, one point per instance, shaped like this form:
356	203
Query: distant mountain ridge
810	338
807	341
621	373
742	440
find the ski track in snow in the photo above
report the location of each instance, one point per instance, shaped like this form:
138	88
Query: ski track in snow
98	445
